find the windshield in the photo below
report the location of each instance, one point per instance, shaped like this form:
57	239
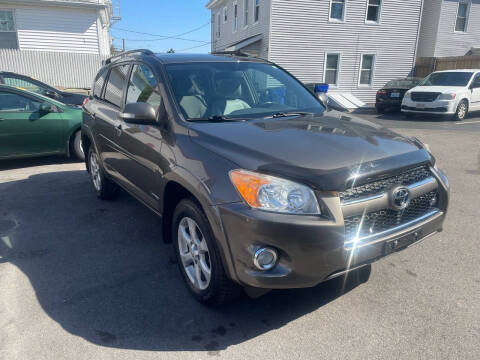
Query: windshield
403	83
453	78
237	90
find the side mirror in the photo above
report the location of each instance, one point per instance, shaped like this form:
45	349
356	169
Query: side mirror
45	108
51	94
139	113
323	99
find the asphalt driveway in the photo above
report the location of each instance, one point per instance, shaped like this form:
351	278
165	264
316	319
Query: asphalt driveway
86	279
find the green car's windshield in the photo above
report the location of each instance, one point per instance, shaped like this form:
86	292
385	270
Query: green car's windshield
237	90
454	78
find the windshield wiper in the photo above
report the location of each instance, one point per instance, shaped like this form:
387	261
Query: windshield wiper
215	118
286	114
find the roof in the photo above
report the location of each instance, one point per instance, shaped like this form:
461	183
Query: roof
186	58
69	3
459	70
213	3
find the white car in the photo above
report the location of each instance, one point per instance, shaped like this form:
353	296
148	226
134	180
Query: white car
452	92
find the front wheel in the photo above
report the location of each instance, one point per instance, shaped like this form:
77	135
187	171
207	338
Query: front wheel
104	188
462	111
199	257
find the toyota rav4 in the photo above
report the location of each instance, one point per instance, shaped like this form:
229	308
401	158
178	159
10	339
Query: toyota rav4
258	184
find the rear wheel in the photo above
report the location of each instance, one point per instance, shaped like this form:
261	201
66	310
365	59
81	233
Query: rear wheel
104	188
76	146
198	256
462	111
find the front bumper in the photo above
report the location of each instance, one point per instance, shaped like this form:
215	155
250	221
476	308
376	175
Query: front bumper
441	107
312	249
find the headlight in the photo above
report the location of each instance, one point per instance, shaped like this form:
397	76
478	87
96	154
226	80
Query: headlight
407	95
447	96
270	193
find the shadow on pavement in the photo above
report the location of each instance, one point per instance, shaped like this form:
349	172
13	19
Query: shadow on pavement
37	161
101	271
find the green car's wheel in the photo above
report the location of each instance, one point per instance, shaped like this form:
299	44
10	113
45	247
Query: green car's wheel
76	145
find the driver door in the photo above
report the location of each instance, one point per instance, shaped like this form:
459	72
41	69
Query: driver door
475	97
25	130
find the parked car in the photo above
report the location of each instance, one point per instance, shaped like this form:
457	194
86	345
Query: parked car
27	83
391	95
254	190
35	125
453	93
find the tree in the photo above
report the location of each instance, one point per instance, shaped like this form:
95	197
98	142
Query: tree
171	51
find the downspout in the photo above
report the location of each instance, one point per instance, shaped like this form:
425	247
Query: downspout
419	27
269	33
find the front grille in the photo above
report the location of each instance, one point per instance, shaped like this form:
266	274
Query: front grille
406	178
424	96
382	220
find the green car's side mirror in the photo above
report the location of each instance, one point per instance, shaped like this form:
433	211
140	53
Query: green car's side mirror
45	108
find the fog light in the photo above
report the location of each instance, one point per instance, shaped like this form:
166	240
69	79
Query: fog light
265	258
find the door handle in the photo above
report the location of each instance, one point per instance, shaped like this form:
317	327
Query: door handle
118	129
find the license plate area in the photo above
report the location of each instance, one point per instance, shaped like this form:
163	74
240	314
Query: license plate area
395	95
402	242
420	106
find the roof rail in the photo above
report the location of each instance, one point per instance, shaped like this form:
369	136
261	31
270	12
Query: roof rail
232	53
125	53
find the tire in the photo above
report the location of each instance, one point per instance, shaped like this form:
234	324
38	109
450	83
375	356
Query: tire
462	111
76	146
104	188
199	257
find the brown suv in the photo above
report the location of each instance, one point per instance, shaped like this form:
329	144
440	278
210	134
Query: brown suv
258	185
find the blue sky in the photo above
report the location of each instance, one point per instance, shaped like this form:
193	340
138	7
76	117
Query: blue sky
164	18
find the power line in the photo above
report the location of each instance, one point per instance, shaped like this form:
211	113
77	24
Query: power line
170	37
163	37
193	47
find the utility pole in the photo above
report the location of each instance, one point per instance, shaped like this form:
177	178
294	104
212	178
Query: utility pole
123	46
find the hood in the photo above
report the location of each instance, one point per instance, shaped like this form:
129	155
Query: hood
323	151
439	89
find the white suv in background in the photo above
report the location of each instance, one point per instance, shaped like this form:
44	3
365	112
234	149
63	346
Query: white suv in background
452	92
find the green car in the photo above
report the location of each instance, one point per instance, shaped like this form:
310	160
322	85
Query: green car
35	125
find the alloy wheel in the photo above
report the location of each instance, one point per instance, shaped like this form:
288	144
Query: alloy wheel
95	171
462	111
194	254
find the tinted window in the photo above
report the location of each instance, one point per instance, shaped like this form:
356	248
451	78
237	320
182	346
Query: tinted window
142	87
404	83
238	90
115	85
24	84
15	102
454	78
99	81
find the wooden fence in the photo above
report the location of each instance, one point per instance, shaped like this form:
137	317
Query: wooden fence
426	65
68	70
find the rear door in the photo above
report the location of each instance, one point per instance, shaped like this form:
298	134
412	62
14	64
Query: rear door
25	130
106	110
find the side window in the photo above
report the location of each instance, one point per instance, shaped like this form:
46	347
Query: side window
337	10
98	85
142	87
22	83
373	11
115	85
332	67
462	16
14	102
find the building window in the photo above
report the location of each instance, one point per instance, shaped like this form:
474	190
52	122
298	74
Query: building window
225	14
219	25
256	12
235	17
332	68
367	67
8	30
374	9
245	12
462	17
337	10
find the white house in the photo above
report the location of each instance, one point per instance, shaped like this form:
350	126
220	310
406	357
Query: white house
58	41
354	45
449	28
76	26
